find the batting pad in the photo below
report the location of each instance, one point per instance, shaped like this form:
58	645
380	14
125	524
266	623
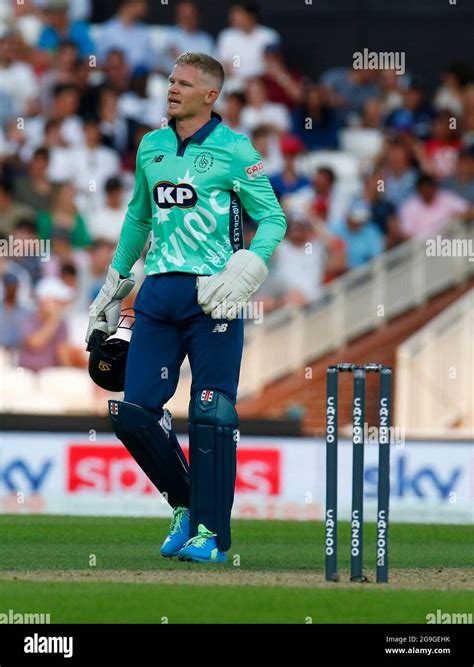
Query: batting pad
213	435
154	446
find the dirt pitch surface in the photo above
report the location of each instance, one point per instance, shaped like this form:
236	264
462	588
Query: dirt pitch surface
440	579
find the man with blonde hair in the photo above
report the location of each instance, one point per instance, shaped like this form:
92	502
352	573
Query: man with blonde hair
192	179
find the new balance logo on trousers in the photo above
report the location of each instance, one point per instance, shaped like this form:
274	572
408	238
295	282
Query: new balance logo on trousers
220	328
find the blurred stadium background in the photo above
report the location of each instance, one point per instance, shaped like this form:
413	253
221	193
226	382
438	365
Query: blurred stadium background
367	163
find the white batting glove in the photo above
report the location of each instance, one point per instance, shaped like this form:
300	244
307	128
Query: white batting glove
105	309
225	294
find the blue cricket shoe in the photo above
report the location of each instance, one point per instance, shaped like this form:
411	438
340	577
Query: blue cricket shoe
202	548
178	534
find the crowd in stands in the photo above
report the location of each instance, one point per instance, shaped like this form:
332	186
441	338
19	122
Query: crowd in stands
76	99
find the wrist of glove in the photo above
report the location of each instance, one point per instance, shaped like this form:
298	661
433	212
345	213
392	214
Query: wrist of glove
105	309
224	295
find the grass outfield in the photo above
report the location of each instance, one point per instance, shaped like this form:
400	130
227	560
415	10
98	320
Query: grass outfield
275	574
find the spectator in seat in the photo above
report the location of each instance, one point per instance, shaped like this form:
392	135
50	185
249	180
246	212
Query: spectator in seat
44	342
241	47
11	211
323	200
58	29
108	220
125	31
115	73
18	80
129	159
63	252
12	314
288	181
232	112
283	85
58	152
25	231
462	181
25	287
62	71
314	122
69	276
329	197
92	165
114	127
372	113
34	188
349	89
259	111
454	79
267	144
185	35
427	211
298	268
92	274
362	238
439	153
382	212
64	110
392	85
468	116
336	260
398	172
64	215
136	107
415	113
25	16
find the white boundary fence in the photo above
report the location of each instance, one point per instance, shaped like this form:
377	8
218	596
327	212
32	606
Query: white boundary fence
435	374
362	300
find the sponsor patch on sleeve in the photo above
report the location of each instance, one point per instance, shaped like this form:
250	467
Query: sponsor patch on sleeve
254	170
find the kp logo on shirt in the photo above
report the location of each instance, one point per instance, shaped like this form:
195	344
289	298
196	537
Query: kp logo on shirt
167	195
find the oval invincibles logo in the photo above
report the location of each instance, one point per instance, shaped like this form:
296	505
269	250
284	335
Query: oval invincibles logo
167	194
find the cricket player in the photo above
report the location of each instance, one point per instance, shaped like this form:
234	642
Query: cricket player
192	179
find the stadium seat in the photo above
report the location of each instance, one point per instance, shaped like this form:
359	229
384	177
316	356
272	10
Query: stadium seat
345	165
17	389
361	142
71	389
5	358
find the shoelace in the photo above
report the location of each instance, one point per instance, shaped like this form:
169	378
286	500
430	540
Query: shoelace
177	520
200	539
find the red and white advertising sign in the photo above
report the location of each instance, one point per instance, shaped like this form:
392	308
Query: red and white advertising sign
277	478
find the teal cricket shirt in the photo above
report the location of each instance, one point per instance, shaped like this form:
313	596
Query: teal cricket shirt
190	194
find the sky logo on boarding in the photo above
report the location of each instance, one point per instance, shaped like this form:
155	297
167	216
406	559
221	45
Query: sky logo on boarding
167	194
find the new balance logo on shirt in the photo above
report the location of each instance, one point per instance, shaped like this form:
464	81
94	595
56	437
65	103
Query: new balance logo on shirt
220	328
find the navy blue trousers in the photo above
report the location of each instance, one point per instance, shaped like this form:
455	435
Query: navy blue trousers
170	324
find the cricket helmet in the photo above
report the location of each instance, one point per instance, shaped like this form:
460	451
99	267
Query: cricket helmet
108	355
